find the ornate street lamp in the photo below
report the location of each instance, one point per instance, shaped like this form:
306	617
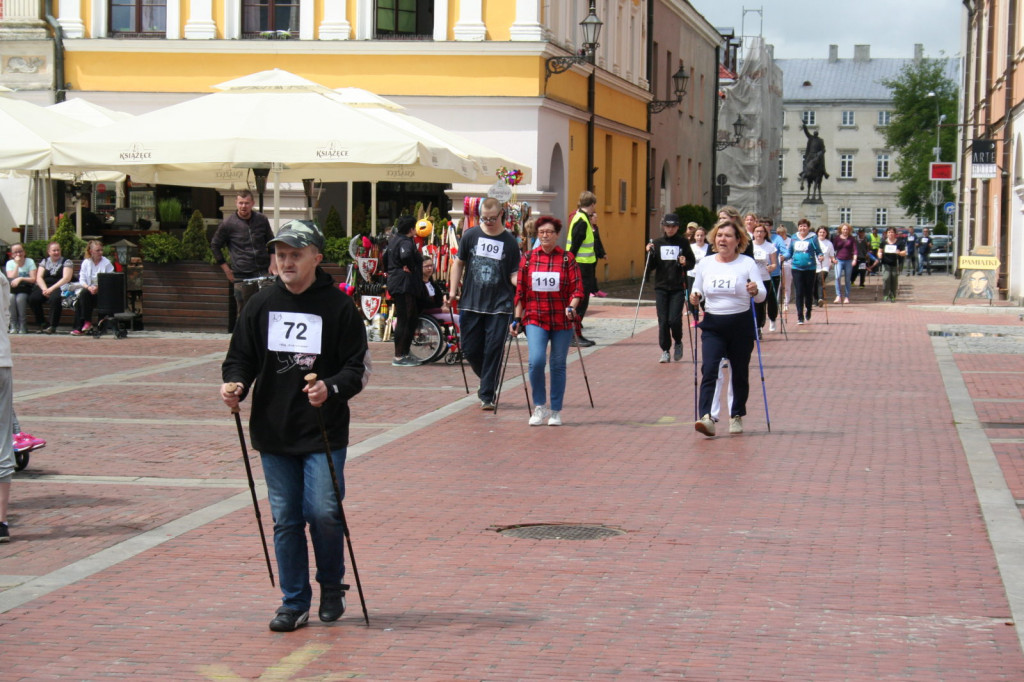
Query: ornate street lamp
679	81
591	26
737	126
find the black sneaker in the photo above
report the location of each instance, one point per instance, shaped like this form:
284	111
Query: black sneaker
287	620
583	342
5	534
332	602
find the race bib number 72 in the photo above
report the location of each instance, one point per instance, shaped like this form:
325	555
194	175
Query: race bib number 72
295	333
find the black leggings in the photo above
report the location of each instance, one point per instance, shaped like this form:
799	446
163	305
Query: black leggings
406	314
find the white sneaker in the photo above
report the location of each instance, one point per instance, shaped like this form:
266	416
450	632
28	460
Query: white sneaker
540	413
771	325
555	419
735	425
664	356
705	425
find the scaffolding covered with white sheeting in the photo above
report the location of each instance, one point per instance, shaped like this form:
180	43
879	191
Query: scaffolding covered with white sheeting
751	167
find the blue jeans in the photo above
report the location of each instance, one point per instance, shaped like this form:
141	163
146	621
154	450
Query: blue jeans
301	492
844	267
483	344
538	339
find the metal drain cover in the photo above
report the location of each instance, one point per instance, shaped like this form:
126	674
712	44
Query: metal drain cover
560	531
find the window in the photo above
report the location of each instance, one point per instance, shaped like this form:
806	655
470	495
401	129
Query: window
846	166
808	118
146	17
923	221
882	166
846	215
848	119
881	217
405	19
260	16
883	117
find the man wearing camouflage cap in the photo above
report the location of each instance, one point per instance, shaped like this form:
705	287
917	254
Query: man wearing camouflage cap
301	324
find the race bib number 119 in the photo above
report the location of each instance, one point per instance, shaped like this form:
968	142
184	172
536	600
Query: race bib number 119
295	333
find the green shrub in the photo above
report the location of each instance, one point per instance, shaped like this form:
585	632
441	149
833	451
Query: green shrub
695	213
194	245
169	210
71	245
160	247
336	250
332	224
36	250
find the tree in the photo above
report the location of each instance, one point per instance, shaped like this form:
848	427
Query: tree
194	243
921	94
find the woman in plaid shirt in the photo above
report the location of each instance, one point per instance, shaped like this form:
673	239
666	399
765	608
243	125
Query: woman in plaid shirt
548	292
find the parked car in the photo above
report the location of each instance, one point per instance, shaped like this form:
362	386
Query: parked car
941	255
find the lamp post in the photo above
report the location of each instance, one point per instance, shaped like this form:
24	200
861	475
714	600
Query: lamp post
738	125
679	80
591	26
936	196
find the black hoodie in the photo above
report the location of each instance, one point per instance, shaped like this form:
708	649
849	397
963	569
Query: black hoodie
282	421
671	274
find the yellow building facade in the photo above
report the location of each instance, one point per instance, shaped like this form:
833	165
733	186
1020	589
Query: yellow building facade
476	67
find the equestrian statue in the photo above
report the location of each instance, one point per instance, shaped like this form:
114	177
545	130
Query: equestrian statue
814	165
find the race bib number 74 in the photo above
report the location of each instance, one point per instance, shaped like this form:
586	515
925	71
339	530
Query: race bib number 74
295	333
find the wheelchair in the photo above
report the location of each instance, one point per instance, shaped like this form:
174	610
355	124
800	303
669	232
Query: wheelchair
434	339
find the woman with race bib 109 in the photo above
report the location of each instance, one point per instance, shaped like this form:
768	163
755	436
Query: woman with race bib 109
548	292
726	282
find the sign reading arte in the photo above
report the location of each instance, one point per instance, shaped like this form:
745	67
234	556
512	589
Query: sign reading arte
983	159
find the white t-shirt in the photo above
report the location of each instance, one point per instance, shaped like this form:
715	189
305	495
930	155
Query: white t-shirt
763	256
828	252
724	285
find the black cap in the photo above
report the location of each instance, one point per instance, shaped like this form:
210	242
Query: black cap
670	219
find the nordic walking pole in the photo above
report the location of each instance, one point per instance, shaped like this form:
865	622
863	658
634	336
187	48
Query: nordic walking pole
522	372
641	294
778	306
458	347
824	299
760	365
693	343
506	352
252	485
582	366
310	380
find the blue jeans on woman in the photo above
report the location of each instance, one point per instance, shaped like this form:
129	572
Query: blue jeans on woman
300	491
538	339
844	267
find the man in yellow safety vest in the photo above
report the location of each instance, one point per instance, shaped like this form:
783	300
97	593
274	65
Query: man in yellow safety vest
584	242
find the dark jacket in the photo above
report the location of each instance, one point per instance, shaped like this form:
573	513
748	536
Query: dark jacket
402	253
282	422
671	274
246	242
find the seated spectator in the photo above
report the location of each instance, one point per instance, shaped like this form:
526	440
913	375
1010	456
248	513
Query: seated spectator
54	272
21	273
88	276
432	297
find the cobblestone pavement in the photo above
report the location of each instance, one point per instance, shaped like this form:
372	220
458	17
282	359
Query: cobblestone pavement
874	533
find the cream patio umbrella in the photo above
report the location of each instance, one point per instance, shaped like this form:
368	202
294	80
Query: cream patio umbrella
273	119
27	132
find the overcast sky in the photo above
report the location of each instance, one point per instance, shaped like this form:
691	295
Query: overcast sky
805	28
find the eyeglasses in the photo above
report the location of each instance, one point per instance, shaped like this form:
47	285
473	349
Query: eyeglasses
489	219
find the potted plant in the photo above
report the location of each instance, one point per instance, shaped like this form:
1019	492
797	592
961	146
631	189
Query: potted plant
169	210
